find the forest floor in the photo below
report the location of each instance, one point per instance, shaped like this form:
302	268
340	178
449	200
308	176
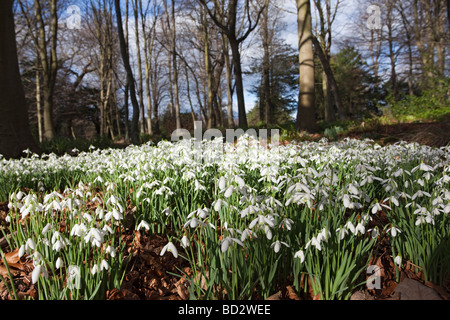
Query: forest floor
435	134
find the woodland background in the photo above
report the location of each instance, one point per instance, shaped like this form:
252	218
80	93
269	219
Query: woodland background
109	72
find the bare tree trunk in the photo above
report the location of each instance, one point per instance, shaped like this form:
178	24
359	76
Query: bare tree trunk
174	63
407	33
15	134
306	118
127	86
209	71
266	65
39	106
116	110
127	114
49	63
140	88
239	82
149	40
229	76
331	81
188	89
130	78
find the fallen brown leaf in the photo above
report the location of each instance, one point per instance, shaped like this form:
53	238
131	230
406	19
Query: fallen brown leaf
4	272
292	294
12	257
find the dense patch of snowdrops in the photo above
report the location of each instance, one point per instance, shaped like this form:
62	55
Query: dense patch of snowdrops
248	217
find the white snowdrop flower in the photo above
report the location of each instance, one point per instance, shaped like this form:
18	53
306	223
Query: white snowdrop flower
447	209
277	245
21	251
394	231
374	233
349	225
94	269
315	242
30	244
301	255
108	215
95	236
360	228
167	211
287	223
212	226
218	205
227	241
324	234
96	199
393	200
37	258
424	219
268	232
8	219
19	195
376	207
47	227
398	261
117	215
229	191
87	216
347	200
111	251
99	212
104	265
194	222
59	263
58	246
249	210
171	248
352	189
36	274
342	232
239	181
78	230
425	167
25	211
185	242
247	233
56	235
203	213
107	228
112	200
420	194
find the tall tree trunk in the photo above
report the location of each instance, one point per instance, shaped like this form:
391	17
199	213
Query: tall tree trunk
229	77
15	134
237	64
149	39
49	63
209	72
266	65
331	81
306	117
130	78
140	88
127	113
171	27
39	106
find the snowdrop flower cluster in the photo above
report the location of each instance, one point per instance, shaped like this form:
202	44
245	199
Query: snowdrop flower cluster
296	199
